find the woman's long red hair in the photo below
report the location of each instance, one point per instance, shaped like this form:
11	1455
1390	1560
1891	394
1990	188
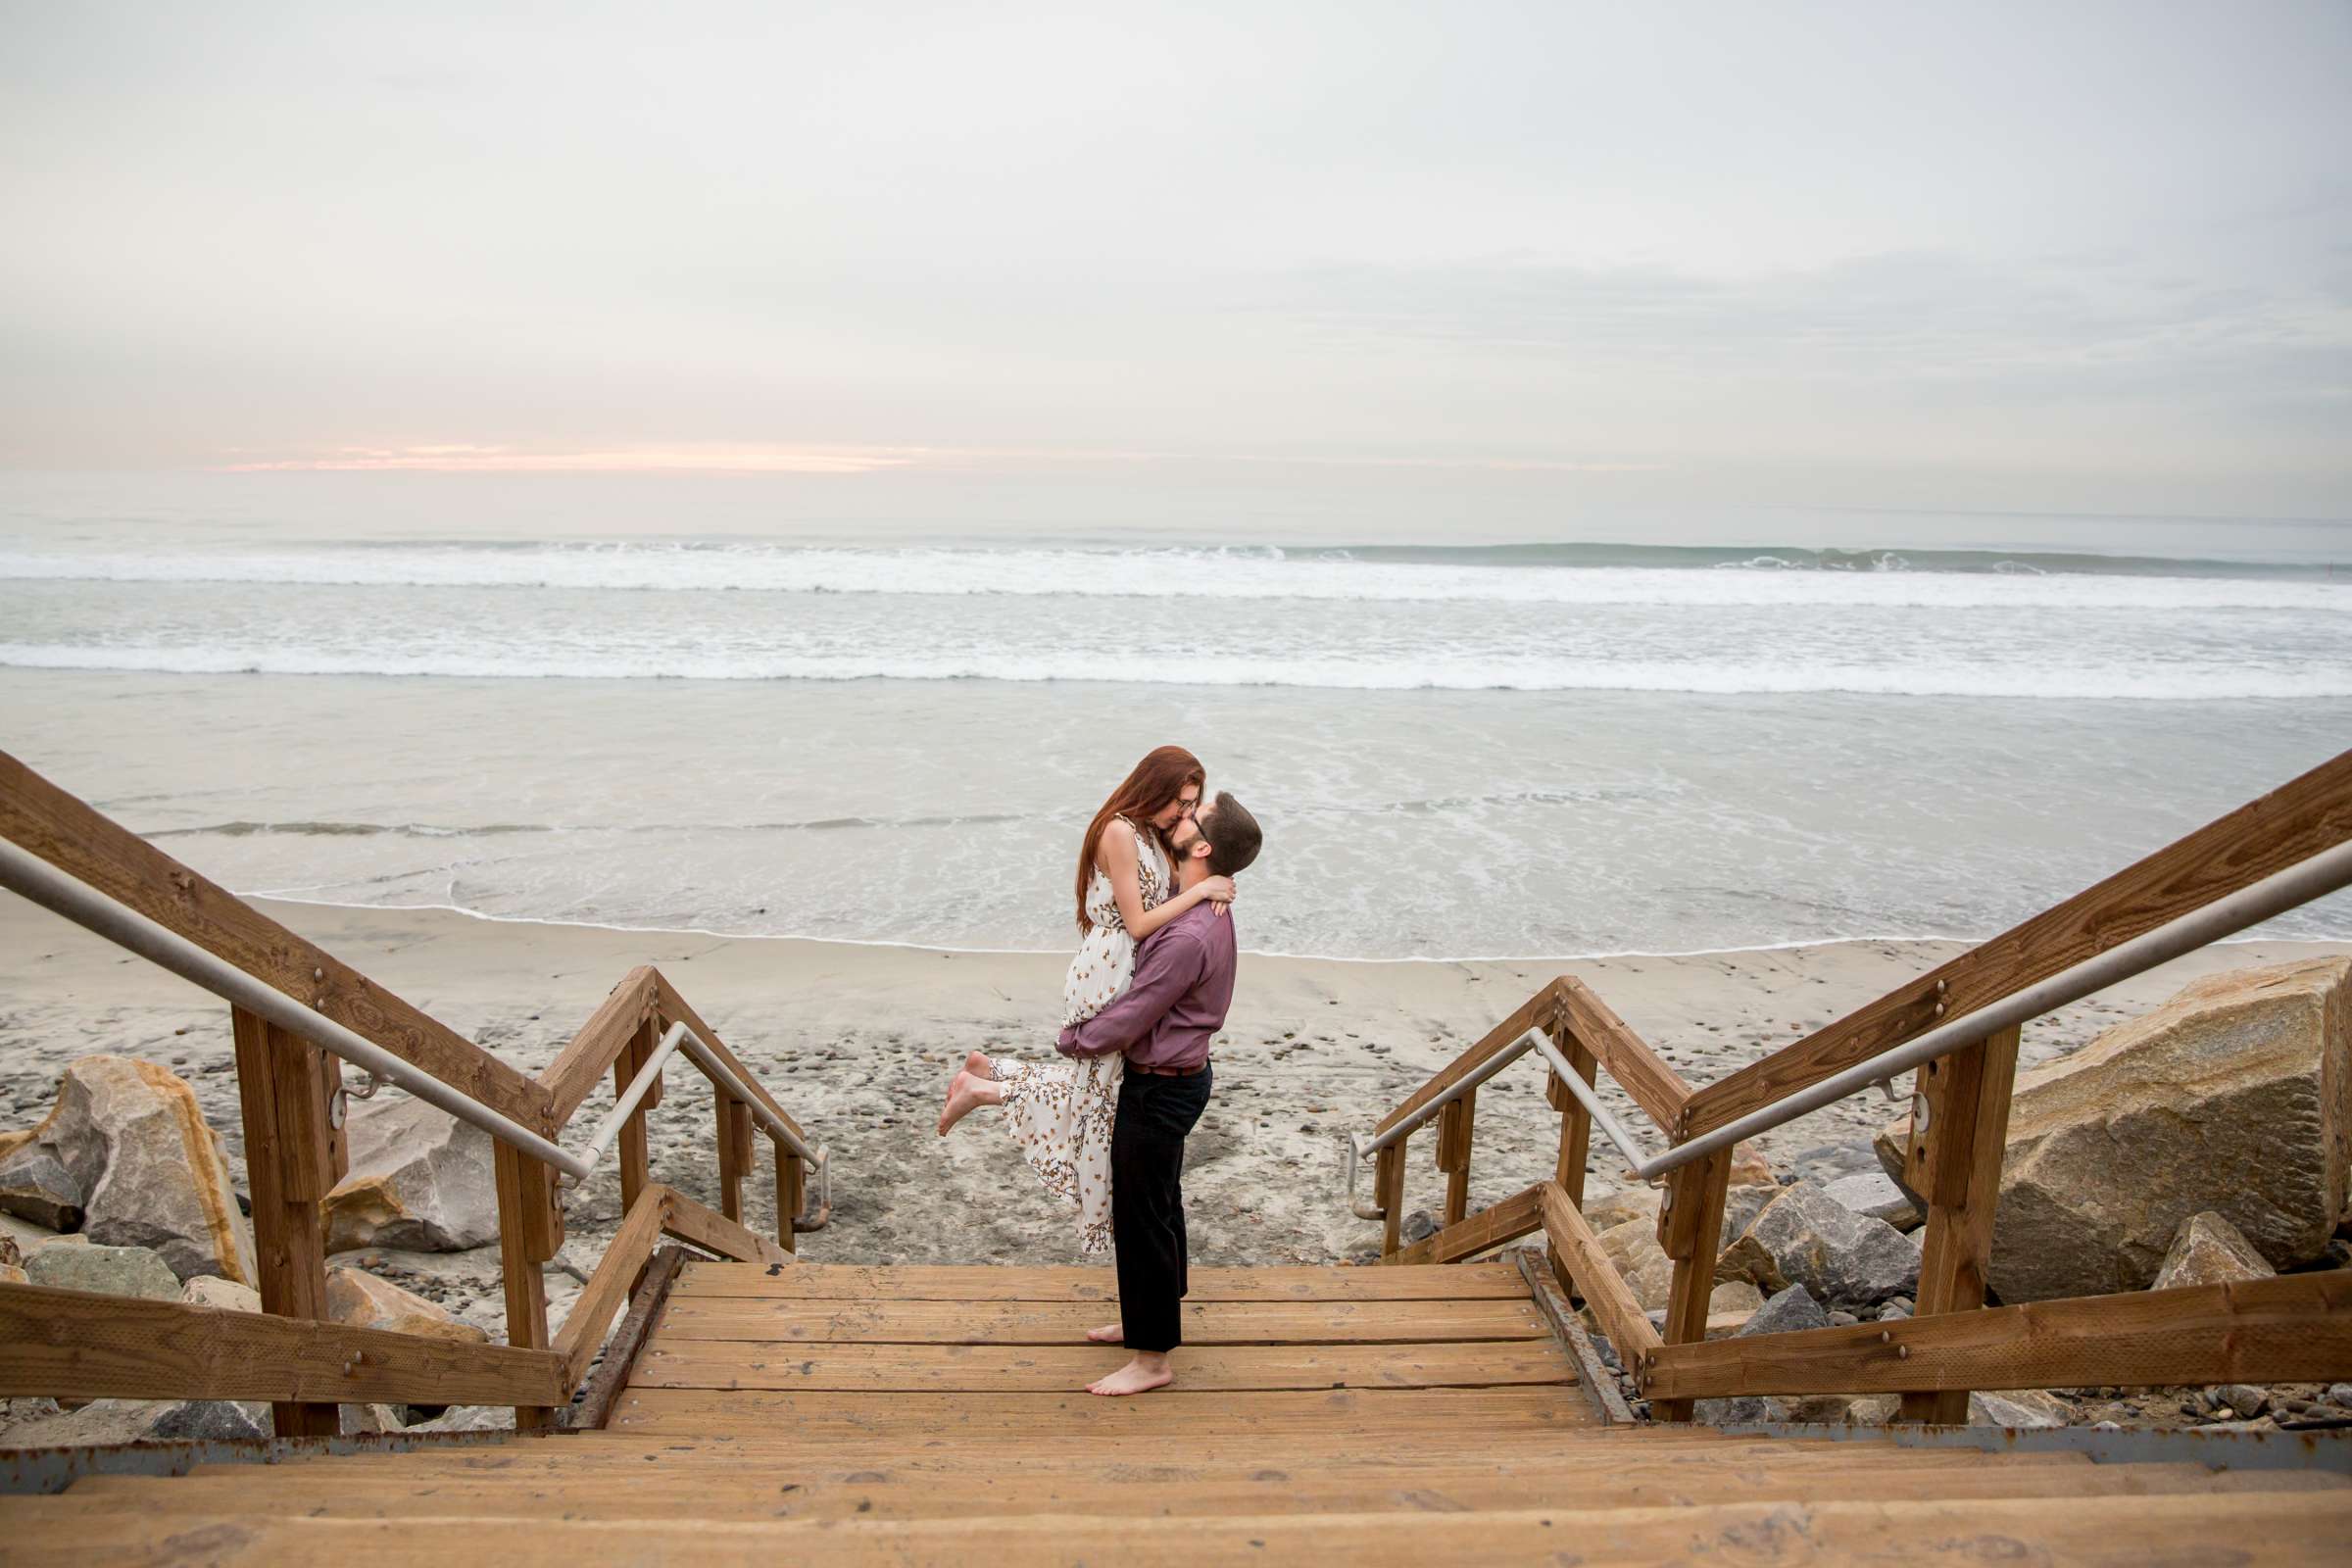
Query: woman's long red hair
1158	779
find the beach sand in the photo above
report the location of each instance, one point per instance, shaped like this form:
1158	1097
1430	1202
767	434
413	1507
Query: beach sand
857	1043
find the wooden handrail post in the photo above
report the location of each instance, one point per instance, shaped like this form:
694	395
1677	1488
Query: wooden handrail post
792	1180
1576	1122
531	1232
1954	1162
1388	1191
635	1153
1691	1230
734	1151
294	1156
1454	1125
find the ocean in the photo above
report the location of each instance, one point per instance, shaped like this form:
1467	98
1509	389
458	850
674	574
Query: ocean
1529	748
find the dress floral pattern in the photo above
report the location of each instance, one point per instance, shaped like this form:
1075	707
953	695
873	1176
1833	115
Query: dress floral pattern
1060	1109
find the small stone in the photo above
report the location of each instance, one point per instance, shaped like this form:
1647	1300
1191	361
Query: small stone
35	1185
1418	1226
2244	1399
2015	1408
209	1289
1749	1167
106	1270
2340	1393
2207	1250
362	1301
1871	1193
1788	1312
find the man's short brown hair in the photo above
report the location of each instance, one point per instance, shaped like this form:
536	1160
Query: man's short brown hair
1233	837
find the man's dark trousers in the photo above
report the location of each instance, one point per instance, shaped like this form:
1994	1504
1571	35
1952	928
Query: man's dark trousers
1146	1202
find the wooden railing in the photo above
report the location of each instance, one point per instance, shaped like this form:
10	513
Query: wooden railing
71	1344
2295	1328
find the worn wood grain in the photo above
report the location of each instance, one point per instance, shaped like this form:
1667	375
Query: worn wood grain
1591	1276
2283	828
992	1283
1956	1165
681	1363
690	1221
291	1161
1640	1071
612	1374
2293	1329
1693	1222
603	1040
609	1286
1576	1122
79	1346
1065	1323
38	817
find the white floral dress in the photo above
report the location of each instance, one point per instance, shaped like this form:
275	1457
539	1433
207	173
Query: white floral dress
1060	1109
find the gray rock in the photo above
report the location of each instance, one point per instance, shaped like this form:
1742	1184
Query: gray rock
471	1418
420	1178
2234	1097
1418	1226
34	1185
1804	1238
1741	1205
2246	1400
1825	1163
107	1270
132	1138
28	1235
2340	1393
2012	1411
1789	1312
1871	1193
110	1421
2207	1250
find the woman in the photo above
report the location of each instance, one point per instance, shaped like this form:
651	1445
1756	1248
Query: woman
1059	1110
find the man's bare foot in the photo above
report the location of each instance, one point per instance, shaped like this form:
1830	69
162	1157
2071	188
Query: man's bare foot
966	1094
1139	1375
979	1066
1108	1334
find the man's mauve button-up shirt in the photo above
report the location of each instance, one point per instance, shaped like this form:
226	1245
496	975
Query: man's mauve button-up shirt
1177	1001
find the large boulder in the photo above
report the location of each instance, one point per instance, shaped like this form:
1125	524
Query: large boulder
419	1179
1804	1238
112	1421
2207	1250
106	1270
2234	1097
146	1170
364	1301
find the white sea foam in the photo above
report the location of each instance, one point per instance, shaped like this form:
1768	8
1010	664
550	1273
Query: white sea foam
1887	581
2136	681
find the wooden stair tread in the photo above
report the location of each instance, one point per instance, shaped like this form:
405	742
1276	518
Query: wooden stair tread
987	1283
2120	1530
1008	1323
675	1363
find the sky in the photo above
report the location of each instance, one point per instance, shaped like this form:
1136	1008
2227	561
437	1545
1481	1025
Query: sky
2070	256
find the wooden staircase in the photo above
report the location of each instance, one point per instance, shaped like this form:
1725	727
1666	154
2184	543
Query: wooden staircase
815	1412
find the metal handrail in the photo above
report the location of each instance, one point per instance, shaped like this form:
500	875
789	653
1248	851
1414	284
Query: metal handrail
36	879
2315	877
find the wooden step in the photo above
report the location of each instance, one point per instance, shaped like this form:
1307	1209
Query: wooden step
957	1282
1006	1323
980	1492
677	1363
2250	1529
1337	1420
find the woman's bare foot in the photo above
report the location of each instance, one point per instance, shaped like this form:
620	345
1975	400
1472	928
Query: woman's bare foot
979	1066
1139	1375
966	1094
1108	1334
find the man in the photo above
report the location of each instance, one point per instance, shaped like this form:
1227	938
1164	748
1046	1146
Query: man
1163	1023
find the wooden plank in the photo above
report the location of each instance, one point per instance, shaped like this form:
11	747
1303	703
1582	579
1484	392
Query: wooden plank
1956	1165
995	1283
2109	1531
683	1363
671	1007
79	1346
620	1352
625	1255
734	1138
1691	1221
1066	1322
690	1221
1576	1122
1490	1418
2283	828
1528	1015
519	1265
1593	1277
290	1160
2247	1530
2294	1329
68	834
790	1180
1640	1071
1520	1214
603	1040
1454	1128
1388	1193
932	1492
